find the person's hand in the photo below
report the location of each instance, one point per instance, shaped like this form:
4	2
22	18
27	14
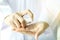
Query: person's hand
34	29
19	24
16	20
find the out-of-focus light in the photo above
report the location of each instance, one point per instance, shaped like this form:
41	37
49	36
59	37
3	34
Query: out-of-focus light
1	1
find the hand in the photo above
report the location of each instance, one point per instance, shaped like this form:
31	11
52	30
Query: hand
34	29
16	20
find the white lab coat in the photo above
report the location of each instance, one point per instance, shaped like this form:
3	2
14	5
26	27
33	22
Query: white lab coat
43	11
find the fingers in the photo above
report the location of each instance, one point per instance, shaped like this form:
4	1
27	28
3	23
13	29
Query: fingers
21	14
8	20
21	20
17	23
16	20
29	13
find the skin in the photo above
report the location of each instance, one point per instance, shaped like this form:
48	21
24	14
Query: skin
34	29
16	20
18	24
